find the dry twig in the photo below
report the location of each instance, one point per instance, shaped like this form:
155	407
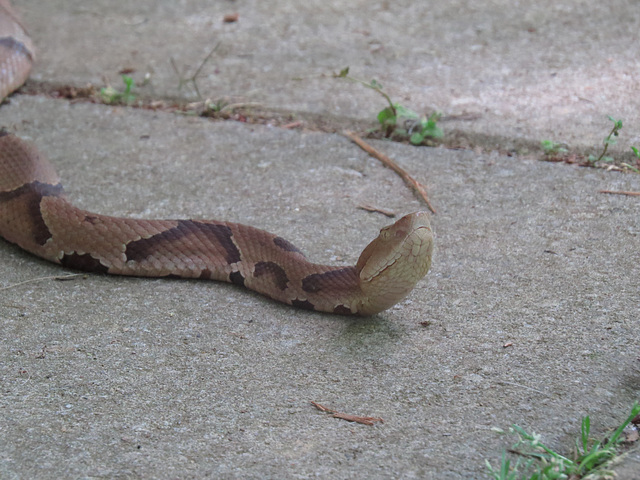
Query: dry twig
620	192
408	179
293	124
54	277
347	417
371	208
503	382
194	78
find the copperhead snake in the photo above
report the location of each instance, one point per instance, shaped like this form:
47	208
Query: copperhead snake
36	215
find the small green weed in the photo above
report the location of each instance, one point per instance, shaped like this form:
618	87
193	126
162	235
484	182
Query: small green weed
552	148
216	106
111	96
631	167
425	127
591	458
608	140
398	121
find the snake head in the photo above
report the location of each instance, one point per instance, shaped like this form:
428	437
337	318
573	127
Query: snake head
391	265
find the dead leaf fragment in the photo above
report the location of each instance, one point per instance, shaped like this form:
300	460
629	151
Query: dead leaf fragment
230	18
631	434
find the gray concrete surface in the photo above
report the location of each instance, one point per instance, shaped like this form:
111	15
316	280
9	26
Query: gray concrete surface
107	377
501	71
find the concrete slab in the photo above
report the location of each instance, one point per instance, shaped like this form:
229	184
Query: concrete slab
507	75
119	377
107	376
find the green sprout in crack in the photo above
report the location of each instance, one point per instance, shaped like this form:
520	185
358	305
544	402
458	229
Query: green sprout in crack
552	149
608	140
217	106
422	128
397	120
111	96
631	167
591	459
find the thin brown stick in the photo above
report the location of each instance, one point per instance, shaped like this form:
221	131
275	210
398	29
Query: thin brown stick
347	417
408	179
502	382
39	279
620	192
293	124
371	208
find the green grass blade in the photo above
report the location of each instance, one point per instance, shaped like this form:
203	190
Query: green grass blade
635	410
584	433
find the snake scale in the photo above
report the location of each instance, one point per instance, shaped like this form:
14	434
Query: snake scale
36	215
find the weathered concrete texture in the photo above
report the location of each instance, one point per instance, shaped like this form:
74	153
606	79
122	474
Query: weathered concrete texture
107	376
531	307
516	71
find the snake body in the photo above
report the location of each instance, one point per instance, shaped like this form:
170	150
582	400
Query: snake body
36	215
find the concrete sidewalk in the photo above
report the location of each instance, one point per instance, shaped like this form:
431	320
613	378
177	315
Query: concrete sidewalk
530	313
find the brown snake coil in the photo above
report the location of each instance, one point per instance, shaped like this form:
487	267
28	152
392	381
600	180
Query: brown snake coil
35	214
